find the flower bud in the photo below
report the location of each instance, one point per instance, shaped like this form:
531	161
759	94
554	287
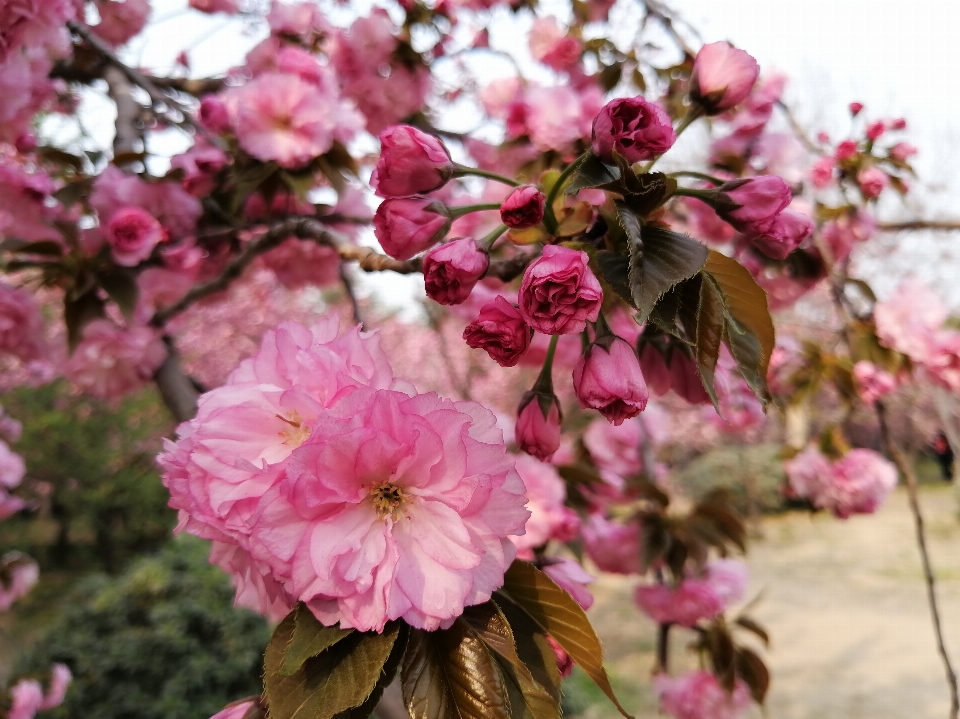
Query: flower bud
902	151
856	108
411	163
875	129
406	226
608	379
752	203
213	114
722	77
784	234
523	208
451	270
132	233
538	424
872	181
845	150
636	129
500	331
559	293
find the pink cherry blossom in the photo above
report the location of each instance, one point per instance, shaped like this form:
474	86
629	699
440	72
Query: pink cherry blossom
237	710
18	575
12	467
284	118
551	45
685	604
612	546
722	77
27	697
31	22
60	678
908	320
903	151
173	207
943	364
21	326
550	518
110	362
523	207
569	576
132	233
411	163
406	226
559	292
785	233
844	233
121	20
500	331
822	172
857	483
608	379
302	20
872	382
212	6
872	181
846	150
451	270
638	130
538	430
303	263
699	695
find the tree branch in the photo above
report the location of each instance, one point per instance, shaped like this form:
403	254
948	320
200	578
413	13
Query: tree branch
161	101
307	228
911	481
913	225
187	85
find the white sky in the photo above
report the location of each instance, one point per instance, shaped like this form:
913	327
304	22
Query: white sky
897	58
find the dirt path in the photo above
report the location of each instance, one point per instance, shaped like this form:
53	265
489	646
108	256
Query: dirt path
845	606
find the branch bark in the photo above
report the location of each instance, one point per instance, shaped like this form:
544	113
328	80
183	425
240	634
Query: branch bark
900	460
915	225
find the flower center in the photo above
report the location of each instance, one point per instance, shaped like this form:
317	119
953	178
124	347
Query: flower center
297	433
387	499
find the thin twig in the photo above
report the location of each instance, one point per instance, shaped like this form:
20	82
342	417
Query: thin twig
667	17
912	225
157	97
347	283
798	128
188	85
911	481
308	228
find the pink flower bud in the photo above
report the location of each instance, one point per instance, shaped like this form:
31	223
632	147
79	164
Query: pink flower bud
872	181
559	293
875	129
845	150
411	163
872	382
751	204
500	331
855	108
902	151
722	77
898	124
538	425
822	172
564	661
214	114
823	138
132	234
406	226
607	378
635	128
784	234
451	270
522	208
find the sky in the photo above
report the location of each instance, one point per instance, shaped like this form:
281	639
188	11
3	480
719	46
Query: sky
896	58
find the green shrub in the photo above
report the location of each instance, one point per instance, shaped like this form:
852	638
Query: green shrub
161	641
736	469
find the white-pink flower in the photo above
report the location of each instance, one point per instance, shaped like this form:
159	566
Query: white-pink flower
110	361
908	320
722	584
21	326
341	487
284	118
699	695
612	546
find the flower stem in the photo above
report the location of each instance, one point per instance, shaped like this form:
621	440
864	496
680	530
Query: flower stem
544	381
462	210
698	175
463	170
486	242
549	218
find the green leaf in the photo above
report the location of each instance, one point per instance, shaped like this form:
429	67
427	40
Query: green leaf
529	699
748	328
533	648
78	312
562	618
341	677
121	286
450	674
592	173
614	269
659	259
387	675
309	638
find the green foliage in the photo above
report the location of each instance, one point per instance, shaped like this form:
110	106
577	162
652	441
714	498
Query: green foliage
736	469
91	471
161	641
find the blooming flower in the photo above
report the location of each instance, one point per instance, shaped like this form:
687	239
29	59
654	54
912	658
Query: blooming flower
752	204
21	326
872	382
132	233
722	77
500	331
109	361
784	234
872	181
237	710
612	546
411	163
699	695
559	292
636	129
857	483
550	518
339	486
695	598
451	270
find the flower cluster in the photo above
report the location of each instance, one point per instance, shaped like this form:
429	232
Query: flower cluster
857	483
